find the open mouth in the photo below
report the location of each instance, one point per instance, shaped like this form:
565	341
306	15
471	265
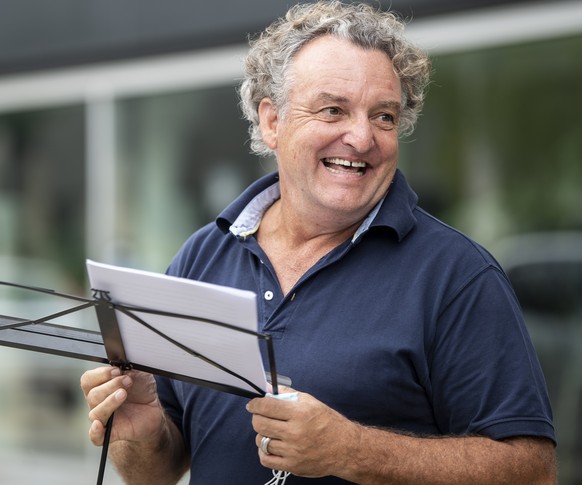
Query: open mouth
341	166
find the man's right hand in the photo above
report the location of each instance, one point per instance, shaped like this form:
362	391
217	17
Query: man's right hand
139	417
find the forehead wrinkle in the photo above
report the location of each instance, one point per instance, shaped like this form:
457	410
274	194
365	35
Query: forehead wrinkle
329	97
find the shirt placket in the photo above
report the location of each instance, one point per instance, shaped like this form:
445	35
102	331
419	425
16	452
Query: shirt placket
270	295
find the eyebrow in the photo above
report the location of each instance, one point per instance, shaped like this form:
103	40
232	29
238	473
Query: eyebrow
391	106
333	98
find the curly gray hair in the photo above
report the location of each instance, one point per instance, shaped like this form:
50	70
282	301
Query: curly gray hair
271	54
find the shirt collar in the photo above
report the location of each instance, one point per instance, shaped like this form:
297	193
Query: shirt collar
394	211
245	213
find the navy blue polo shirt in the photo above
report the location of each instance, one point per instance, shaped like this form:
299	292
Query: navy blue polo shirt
409	325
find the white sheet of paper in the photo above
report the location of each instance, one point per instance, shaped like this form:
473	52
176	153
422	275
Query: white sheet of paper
237	351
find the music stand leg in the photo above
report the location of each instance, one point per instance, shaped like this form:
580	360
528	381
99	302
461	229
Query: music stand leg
104	450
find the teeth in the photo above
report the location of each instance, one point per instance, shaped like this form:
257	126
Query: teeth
346	163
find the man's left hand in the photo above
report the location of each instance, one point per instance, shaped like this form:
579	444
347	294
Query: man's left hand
307	438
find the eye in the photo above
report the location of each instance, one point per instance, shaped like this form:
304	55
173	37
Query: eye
331	111
386	121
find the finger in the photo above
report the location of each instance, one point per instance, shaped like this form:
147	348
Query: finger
96	377
105	409
272	428
271	448
97	433
100	393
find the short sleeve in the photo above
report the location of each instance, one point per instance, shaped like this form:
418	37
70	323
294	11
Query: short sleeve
485	375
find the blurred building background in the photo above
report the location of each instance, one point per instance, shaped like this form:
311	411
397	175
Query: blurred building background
120	134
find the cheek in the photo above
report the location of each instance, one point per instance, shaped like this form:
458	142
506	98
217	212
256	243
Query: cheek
300	141
388	146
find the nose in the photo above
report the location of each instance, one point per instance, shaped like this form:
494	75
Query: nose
359	134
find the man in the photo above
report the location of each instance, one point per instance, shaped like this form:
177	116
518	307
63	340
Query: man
402	336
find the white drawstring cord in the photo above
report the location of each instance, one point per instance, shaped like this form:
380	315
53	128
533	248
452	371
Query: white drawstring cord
279	478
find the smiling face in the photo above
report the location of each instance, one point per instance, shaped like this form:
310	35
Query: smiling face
337	140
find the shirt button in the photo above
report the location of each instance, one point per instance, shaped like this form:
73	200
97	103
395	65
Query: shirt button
268	295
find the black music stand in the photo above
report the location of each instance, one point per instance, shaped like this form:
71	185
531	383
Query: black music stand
107	346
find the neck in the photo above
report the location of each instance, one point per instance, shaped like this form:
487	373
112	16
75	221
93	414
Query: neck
294	228
294	244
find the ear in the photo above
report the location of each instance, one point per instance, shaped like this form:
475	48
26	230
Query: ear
268	122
